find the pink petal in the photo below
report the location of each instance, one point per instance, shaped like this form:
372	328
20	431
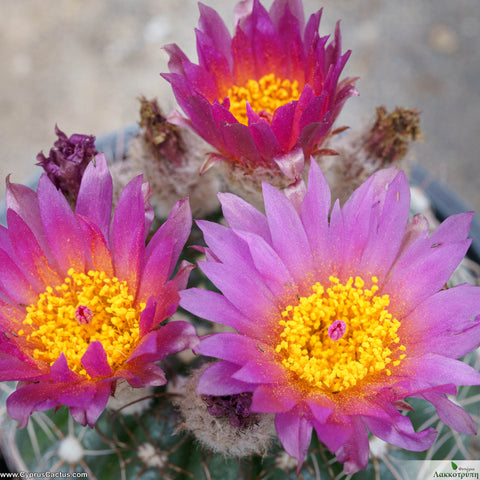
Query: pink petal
100	258
30	254
288	235
61	373
445	323
13	282
140	374
237	349
180	280
242	216
315	210
156	270
88	414
213	26
24	202
449	413
128	234
171	338
354	452
295	433
217	380
95	361
177	228
274	398
398	431
216	308
95	195
61	228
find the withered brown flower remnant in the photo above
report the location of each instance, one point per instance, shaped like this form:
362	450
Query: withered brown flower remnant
392	133
160	137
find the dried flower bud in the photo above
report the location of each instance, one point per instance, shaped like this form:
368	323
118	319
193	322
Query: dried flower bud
161	137
392	133
223	424
67	161
170	158
378	144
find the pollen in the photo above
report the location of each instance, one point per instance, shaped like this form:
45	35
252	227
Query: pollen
86	307
369	346
264	96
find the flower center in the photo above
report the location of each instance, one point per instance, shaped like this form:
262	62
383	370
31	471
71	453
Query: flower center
337	336
85	308
264	96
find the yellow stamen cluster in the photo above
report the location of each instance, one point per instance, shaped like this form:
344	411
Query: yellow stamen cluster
113	319
264	96
369	345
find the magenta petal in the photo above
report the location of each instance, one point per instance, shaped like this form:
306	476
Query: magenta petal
213	26
180	280
171	338
354	452
15	365
128	233
283	127
263	136
274	398
386	239
398	431
287	230
450	414
261	371
432	370
248	295
201	80
156	270
140	374
314	211
267	262
95	361
95	195
177	227
176	59
147	317
13	282
295	433
216	308
429	328
242	216
61	373
28	399
217	380
334	435
24	202
100	257
413	281
237	349
29	253
238	140
89	415
61	228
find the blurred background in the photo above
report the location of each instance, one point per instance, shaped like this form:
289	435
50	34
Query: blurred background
83	63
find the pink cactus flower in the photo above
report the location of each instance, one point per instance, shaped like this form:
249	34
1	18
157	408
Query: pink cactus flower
266	95
82	299
339	315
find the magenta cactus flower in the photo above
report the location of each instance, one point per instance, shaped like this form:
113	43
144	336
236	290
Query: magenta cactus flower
82	299
339	315
272	90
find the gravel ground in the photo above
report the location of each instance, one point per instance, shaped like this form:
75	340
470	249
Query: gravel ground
82	64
